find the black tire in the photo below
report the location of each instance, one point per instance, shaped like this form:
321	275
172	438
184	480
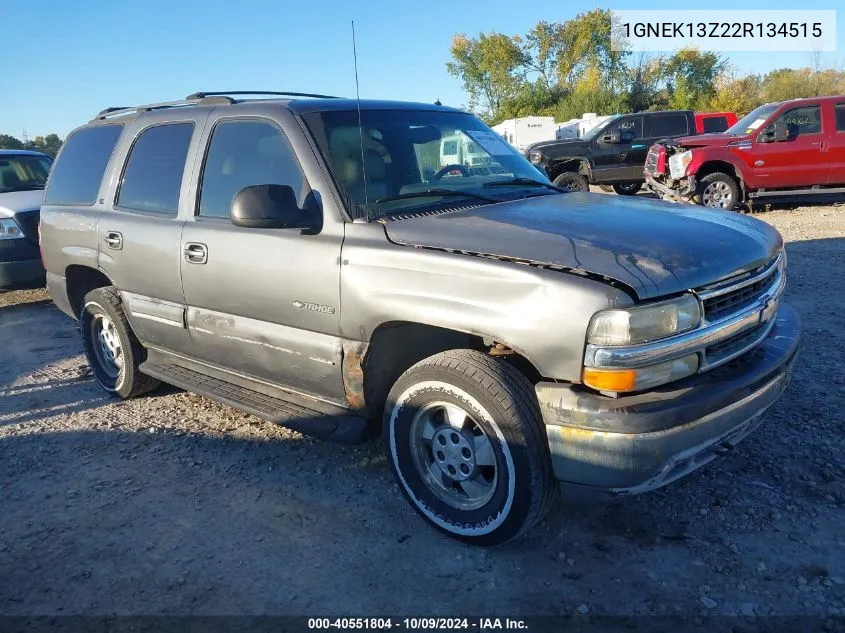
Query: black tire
718	191
572	181
120	377
500	404
628	188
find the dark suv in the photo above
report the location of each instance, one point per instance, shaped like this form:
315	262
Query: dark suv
323	264
612	153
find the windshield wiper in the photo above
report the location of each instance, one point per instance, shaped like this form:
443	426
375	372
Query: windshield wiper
530	182
436	192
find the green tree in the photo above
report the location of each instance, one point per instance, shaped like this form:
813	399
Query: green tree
491	69
9	142
736	94
692	75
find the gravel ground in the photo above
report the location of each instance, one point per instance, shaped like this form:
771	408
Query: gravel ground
173	504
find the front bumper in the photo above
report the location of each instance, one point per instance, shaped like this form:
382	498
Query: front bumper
679	191
20	265
603	446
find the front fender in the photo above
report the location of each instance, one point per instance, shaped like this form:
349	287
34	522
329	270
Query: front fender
542	314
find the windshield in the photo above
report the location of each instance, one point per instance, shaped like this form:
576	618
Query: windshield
22	172
753	120
411	152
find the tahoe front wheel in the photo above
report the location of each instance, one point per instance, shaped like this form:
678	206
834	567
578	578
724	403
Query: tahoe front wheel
467	445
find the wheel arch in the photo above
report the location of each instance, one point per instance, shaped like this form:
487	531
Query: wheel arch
578	165
725	167
371	368
80	280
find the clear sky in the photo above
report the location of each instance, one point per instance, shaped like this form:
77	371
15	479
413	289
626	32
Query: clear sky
64	60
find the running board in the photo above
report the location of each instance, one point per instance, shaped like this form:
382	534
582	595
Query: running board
340	425
796	192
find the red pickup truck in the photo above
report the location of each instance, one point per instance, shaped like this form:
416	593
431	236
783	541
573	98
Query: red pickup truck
791	148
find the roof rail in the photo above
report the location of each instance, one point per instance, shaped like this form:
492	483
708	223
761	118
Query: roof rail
118	110
200	95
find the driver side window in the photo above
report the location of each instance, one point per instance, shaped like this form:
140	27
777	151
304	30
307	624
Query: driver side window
629	129
799	121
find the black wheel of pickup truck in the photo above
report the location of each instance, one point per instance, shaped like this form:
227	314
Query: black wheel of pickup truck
718	191
571	181
113	351
467	445
628	188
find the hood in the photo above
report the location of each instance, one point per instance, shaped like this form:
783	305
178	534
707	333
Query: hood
13	202
707	140
559	144
655	248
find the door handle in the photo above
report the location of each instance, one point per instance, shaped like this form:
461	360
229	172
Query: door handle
114	240
196	253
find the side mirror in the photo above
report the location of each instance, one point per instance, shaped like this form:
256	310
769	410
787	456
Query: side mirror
269	207
777	132
614	137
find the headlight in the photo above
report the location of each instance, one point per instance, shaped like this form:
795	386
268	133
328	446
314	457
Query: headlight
621	380
642	324
678	164
9	229
535	157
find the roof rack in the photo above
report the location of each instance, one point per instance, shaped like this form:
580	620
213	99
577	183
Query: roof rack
200	95
192	100
202	98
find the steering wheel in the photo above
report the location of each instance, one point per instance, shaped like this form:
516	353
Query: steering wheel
445	170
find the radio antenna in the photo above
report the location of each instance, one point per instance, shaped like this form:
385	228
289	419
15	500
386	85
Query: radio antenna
360	124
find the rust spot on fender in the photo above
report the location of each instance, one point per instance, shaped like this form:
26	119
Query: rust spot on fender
352	370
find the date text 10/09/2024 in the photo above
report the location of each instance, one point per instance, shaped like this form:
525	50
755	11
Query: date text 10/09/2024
722	29
418	624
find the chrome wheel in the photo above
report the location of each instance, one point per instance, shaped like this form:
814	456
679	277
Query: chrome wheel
453	456
718	195
106	345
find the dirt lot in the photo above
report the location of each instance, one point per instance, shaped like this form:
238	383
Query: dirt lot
174	504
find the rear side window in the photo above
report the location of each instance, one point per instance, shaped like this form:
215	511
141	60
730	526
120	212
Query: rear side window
152	178
79	169
714	124
840	117
243	153
671	124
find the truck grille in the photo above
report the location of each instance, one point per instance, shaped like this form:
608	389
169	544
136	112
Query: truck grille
738	342
722	302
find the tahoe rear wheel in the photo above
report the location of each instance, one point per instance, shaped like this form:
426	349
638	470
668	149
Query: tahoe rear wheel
719	191
571	181
113	351
627	188
467	445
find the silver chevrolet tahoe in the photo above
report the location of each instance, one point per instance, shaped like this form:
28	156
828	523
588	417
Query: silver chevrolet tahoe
317	262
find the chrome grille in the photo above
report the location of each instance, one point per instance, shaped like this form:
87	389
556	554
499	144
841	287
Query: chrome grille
737	343
723	301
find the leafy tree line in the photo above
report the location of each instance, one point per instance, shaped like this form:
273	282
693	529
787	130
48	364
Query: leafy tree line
569	68
49	144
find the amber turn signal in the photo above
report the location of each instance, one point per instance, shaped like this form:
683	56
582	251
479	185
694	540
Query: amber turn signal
610	379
